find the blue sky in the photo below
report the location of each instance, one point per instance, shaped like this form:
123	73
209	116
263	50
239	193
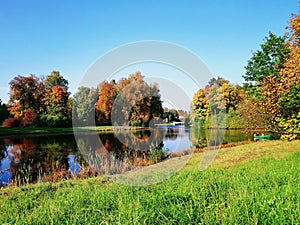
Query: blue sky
40	36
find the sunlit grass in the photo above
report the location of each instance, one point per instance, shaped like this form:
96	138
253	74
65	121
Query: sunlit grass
257	183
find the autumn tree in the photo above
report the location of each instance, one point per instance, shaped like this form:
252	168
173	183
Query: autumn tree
290	73
56	101
136	101
276	71
232	95
39	103
264	68
212	104
57	109
199	106
251	118
288	86
104	104
26	95
214	94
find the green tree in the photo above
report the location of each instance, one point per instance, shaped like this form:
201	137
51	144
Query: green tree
4	113
218	81
84	105
55	79
289	102
275	69
268	60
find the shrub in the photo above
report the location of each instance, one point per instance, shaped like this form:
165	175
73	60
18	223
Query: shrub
12	122
290	128
54	121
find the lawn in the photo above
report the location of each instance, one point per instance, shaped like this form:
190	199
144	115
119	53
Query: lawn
256	183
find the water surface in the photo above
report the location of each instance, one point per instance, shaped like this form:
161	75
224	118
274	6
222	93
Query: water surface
28	159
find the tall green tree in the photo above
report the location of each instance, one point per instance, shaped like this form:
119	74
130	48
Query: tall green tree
4	113
289	102
84	105
55	79
268	60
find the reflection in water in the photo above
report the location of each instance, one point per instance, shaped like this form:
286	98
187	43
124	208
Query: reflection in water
30	159
49	158
177	139
201	137
120	152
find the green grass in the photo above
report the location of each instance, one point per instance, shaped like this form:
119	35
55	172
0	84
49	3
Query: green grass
32	130
6	131
257	183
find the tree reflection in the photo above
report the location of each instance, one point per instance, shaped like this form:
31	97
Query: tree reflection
50	158
123	151
39	158
198	136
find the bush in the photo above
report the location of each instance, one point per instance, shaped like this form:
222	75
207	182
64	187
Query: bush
54	121
290	128
12	122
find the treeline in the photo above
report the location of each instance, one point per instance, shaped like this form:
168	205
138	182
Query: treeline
46	102
39	102
217	98
270	97
130	101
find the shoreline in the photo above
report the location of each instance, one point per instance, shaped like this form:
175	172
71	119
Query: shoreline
23	131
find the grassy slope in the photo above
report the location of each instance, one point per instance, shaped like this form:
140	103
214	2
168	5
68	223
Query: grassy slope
249	184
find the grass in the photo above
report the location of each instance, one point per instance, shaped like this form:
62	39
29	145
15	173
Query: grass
6	131
256	183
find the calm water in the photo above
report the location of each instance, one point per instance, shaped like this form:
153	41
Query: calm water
35	158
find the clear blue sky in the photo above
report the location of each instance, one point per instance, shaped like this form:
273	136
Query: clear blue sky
40	36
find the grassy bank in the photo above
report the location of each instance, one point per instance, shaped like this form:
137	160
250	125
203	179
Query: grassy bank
6	131
257	183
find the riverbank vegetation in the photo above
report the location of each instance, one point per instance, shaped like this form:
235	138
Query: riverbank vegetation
37	102
257	183
8	131
269	100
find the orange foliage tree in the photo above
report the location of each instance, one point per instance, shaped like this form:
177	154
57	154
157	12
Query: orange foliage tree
131	101
104	104
26	95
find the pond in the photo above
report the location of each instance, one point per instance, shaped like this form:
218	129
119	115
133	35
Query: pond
29	159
